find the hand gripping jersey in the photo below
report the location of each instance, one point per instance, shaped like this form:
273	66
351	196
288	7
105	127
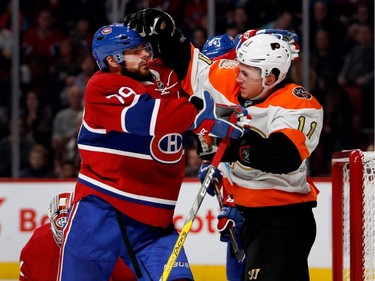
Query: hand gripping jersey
166	80
131	147
290	110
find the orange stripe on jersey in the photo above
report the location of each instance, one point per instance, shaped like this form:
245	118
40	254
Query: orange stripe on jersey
299	140
270	197
223	79
186	83
292	96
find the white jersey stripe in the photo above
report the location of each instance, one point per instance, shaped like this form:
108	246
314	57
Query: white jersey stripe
127	194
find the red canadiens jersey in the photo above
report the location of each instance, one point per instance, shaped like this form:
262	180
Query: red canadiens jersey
40	256
39	259
131	146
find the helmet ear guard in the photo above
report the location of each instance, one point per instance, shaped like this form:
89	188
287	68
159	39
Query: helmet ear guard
266	52
113	40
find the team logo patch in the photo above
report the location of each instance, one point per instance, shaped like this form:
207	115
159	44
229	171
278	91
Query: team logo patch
167	149
228	63
106	30
302	93
160	85
60	220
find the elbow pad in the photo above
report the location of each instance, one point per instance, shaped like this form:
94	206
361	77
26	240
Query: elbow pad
276	154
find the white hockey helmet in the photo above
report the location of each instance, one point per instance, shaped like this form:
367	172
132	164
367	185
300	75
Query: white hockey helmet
266	52
58	214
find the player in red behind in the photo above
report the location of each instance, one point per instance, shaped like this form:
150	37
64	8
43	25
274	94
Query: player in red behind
40	256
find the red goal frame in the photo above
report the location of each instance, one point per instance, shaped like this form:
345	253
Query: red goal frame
354	160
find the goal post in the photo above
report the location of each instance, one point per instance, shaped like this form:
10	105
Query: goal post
353	216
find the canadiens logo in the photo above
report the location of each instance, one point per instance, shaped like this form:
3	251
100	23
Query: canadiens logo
167	149
60	220
106	30
301	93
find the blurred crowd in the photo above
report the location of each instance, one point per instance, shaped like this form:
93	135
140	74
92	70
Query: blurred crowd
56	63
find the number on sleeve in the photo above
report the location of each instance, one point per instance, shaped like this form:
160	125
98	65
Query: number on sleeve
301	126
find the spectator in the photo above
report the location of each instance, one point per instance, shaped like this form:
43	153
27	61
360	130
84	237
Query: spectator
6	44
88	68
6	144
283	21
6	19
38	119
70	148
240	19
361	16
232	30
357	76
68	62
323	18
325	58
64	123
194	13
81	35
68	170
337	132
43	39
199	37
39	165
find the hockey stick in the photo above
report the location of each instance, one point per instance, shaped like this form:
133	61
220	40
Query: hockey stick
239	253
197	203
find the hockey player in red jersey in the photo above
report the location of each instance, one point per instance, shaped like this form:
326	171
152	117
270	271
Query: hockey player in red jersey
268	164
132	166
39	257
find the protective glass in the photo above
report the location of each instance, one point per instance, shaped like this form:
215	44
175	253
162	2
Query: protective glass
251	73
139	53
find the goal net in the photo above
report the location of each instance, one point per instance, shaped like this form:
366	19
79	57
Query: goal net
353	216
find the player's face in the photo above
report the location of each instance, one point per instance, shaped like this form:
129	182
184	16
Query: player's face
137	59
249	80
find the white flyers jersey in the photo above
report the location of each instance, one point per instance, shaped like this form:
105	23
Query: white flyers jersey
290	110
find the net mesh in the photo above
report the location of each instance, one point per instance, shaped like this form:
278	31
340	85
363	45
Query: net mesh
368	223
346	222
368	218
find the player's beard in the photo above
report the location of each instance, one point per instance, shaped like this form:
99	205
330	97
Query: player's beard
138	73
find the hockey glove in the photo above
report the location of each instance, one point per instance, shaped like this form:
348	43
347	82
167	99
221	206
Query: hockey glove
290	37
286	35
207	122
202	172
150	21
243	118
229	215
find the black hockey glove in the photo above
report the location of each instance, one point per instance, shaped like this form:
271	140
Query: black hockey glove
171	44
149	22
